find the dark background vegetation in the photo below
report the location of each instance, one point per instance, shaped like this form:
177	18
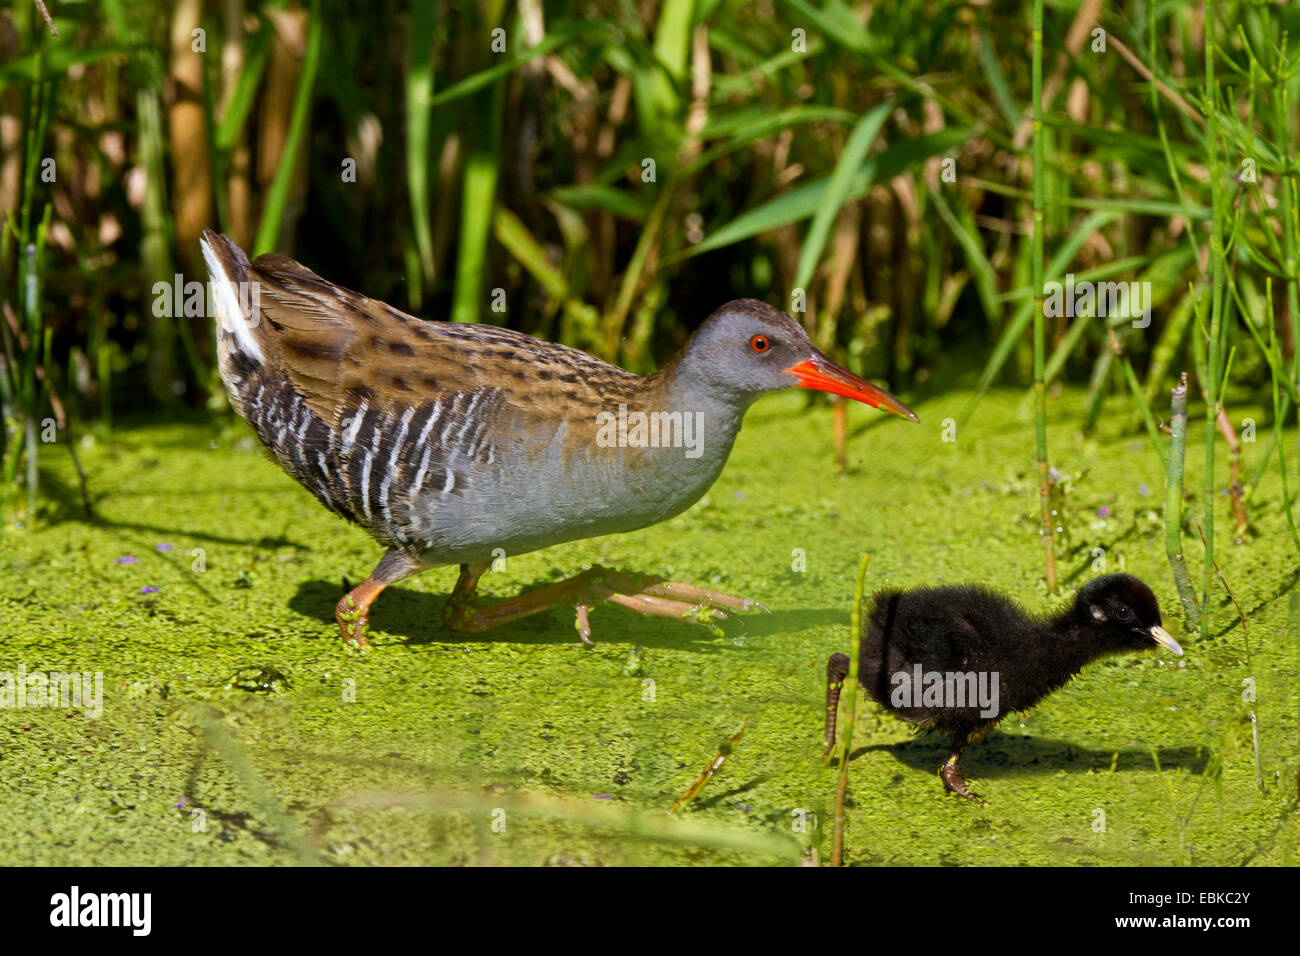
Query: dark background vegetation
154	141
797	145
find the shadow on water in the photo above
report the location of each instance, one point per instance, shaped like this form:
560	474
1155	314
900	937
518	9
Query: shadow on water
729	795
1075	576
1228	610
1008	755
67	507
416	617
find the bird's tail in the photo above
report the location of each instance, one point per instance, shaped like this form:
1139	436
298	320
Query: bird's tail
234	294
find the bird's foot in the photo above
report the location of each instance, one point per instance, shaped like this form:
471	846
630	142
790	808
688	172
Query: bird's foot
459	615
952	781
644	594
656	597
352	620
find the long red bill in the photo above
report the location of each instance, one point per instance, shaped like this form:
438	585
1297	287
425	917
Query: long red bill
824	375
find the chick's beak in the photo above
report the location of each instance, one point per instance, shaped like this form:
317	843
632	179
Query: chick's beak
1165	639
822	374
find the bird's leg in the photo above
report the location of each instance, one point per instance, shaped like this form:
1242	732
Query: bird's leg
836	667
460	611
641	593
353	612
952	779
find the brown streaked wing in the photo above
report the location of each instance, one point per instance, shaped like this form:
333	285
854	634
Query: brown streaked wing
338	346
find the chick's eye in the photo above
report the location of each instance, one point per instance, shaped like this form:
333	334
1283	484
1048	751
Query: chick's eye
760	343
1123	613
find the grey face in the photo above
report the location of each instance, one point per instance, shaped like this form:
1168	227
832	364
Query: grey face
748	348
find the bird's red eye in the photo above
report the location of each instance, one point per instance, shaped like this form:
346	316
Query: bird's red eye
760	343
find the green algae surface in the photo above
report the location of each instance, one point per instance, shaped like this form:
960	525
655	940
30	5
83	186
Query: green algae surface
236	729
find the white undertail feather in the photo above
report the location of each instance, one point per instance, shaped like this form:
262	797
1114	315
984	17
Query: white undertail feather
230	314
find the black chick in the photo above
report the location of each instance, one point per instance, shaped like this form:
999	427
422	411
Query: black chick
957	659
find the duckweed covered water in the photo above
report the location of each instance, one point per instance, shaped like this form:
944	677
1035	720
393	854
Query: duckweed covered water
236	728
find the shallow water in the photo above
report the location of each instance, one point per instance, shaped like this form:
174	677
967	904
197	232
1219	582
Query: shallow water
448	737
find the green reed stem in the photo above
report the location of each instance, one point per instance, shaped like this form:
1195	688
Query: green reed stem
26	391
1217	268
1048	526
254	787
419	93
1174	502
851	706
1290	227
479	183
277	197
1279	414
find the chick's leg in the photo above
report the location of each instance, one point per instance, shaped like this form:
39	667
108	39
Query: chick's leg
952	778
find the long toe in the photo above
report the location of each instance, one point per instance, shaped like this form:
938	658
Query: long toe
698	595
583	625
657	606
641	593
